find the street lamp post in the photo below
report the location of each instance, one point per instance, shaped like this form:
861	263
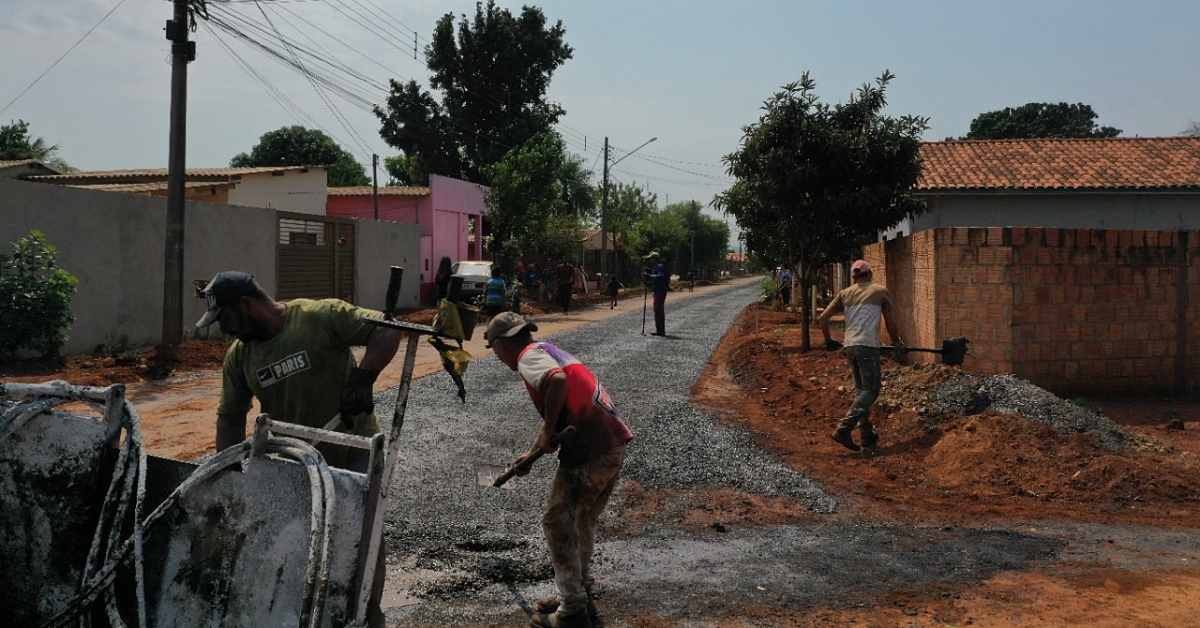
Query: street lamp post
604	209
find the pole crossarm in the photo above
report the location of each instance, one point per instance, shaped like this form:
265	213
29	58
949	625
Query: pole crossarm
604	208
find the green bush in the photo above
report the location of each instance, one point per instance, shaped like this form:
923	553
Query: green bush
35	299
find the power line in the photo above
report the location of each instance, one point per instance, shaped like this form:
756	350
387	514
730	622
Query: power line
64	56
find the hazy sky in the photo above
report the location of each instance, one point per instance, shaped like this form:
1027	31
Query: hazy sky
691	73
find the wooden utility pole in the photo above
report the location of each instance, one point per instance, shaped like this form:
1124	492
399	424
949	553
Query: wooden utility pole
182	53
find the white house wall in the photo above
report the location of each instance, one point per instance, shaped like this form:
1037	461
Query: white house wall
291	191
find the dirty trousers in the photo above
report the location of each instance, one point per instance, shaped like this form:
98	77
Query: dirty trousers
577	497
864	365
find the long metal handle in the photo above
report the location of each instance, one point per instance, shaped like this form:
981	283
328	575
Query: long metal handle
528	461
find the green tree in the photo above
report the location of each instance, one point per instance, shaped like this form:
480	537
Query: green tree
1039	120
707	238
539	201
35	299
298	146
627	205
813	180
492	73
16	145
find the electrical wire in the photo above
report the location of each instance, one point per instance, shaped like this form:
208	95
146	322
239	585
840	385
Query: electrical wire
64	56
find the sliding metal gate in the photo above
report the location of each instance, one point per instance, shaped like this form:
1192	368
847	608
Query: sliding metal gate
315	257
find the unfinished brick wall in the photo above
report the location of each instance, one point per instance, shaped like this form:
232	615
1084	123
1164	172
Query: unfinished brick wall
1076	311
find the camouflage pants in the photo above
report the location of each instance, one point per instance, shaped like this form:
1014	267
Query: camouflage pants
577	497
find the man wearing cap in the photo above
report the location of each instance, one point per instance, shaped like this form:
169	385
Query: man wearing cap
865	304
566	393
295	358
659	285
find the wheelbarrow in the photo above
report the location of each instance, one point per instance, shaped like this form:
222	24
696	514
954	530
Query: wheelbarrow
953	351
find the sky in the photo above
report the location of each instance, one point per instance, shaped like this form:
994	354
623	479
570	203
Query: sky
689	73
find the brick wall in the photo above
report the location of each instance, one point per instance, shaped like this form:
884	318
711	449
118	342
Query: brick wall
1073	310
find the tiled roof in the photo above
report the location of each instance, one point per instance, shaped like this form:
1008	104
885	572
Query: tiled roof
19	162
384	190
155	186
1137	163
154	173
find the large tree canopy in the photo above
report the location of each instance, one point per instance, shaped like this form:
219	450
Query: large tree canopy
539	201
298	146
814	181
492	74
16	144
1039	120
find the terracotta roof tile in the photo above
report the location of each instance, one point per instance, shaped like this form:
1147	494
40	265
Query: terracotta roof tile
384	190
1061	164
162	172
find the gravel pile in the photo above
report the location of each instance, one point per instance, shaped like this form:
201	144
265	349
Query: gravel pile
967	395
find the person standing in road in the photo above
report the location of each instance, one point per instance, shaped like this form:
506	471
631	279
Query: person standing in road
295	358
566	393
564	284
865	304
660	283
442	278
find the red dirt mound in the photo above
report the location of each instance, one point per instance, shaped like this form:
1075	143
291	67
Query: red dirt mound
936	467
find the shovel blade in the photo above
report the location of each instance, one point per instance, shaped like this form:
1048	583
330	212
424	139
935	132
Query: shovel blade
486	474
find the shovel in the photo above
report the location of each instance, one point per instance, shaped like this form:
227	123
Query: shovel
953	350
497	475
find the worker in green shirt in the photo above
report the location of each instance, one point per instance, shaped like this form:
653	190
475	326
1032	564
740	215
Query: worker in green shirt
295	358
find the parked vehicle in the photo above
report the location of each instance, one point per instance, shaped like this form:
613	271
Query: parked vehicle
474	274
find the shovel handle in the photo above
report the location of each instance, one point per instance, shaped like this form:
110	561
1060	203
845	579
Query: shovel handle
528	460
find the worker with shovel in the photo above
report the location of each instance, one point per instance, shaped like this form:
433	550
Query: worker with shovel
296	359
567	395
864	304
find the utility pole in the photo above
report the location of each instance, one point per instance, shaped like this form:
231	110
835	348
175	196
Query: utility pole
695	220
375	182
182	53
604	207
604	222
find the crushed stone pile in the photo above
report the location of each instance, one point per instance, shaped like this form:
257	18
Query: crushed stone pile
966	394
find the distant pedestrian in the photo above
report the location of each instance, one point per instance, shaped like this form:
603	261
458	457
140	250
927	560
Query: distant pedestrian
442	278
494	293
865	304
564	284
660	283
613	290
785	286
566	393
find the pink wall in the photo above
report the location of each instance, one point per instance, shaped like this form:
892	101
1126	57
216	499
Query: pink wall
444	216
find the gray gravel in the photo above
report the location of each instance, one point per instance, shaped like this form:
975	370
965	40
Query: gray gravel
462	553
967	394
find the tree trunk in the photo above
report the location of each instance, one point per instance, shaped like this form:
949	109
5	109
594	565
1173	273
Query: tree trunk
805	274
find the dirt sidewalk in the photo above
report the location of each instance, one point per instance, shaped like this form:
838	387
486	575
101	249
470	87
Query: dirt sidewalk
178	413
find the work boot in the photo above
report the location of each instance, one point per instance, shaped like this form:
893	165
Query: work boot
550	604
845	439
869	438
577	619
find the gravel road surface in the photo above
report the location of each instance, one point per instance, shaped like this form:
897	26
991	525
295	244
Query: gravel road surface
463	554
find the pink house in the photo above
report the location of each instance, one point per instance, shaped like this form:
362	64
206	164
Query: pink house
449	211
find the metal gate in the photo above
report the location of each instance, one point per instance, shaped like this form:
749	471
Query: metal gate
315	257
